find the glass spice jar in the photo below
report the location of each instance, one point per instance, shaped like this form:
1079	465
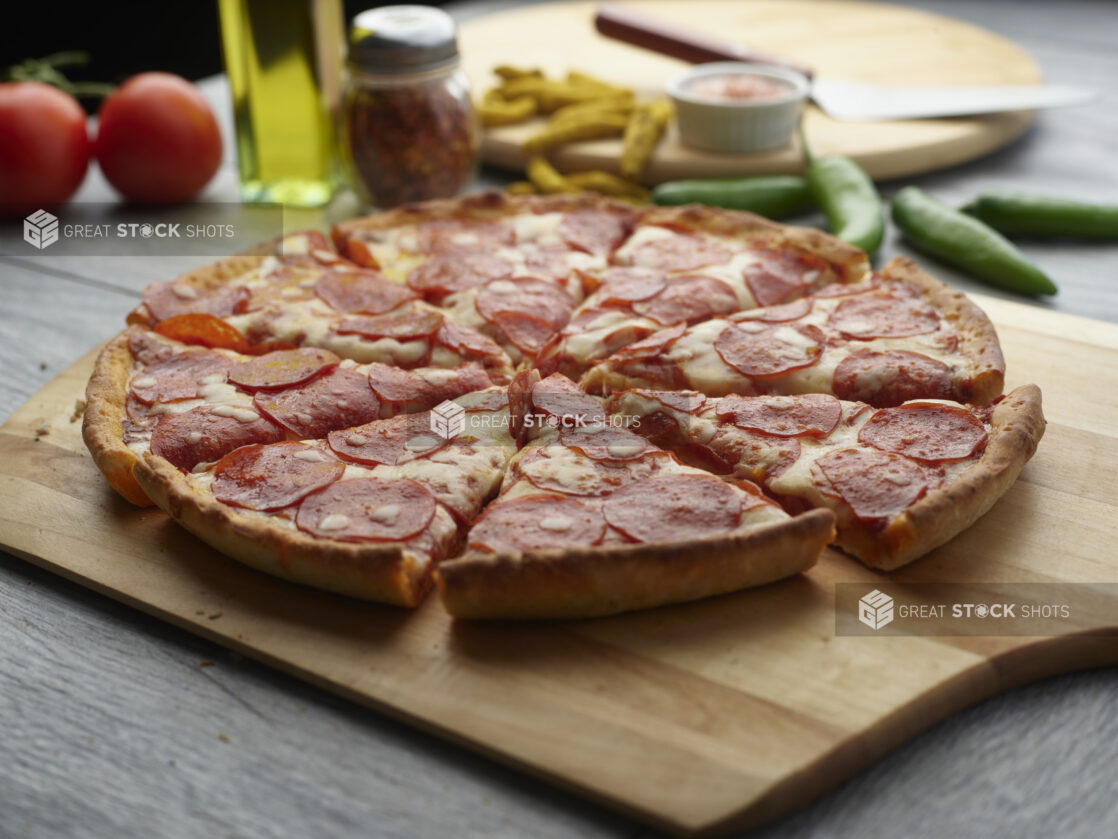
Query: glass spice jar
409	132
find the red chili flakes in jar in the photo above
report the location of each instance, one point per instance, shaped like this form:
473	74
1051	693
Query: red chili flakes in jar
409	130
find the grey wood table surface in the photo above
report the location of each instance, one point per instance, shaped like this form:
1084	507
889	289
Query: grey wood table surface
115	724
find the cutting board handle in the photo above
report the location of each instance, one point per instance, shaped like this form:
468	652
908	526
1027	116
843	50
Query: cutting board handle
645	31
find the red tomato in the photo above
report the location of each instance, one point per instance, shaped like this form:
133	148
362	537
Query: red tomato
44	150
157	139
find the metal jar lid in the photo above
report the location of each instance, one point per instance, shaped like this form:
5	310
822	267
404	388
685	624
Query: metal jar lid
402	39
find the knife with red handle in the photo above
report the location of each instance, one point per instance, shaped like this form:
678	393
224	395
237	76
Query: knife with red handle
640	30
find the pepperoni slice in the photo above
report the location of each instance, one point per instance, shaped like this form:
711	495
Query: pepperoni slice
458	236
391	384
538	523
891	377
339	399
165	300
526	295
273	476
137	416
367	510
597	232
680	252
778	275
606	442
674	508
689	299
364	292
551	262
146	348
282	368
559	397
404	325
765	456
883	315
388	442
527	333
686	401
180	376
463	379
928	432
622	286
284	286
770	351
652	347
208	433
203	330
778	314
809	415
443	275
876	485
466	341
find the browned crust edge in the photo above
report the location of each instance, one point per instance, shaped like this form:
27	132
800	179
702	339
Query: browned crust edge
481	206
207	277
851	262
103	423
590	582
978	338
385	573
1017	426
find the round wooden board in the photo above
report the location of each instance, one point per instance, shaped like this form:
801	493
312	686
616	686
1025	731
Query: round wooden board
849	40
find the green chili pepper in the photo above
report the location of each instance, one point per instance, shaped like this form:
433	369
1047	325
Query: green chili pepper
1022	214
846	195
966	242
774	196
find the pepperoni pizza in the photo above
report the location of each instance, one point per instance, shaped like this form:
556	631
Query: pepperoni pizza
395	407
900	480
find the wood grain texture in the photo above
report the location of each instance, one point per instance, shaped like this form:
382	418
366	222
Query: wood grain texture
113	728
868	42
707	717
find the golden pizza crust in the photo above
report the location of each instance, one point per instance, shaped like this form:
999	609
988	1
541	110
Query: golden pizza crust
1017	426
978	340
204	279
589	582
378	571
851	262
490	205
102	426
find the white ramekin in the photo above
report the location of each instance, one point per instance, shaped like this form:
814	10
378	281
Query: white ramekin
742	126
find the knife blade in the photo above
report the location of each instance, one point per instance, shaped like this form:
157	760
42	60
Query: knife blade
851	101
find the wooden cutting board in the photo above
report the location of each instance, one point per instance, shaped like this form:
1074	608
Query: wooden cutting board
705	717
871	42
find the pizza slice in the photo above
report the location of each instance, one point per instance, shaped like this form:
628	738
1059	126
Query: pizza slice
513	268
900	480
256	303
368	511
192	405
898	336
592	519
686	266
